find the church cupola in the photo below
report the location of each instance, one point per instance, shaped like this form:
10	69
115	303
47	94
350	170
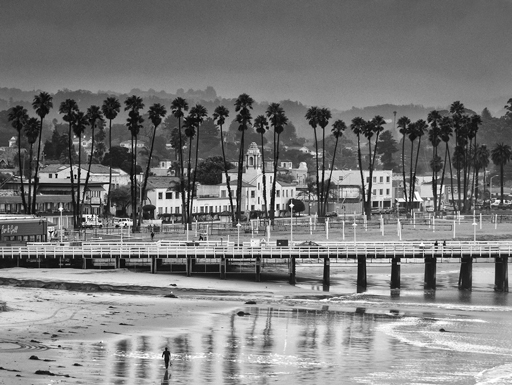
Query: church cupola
253	157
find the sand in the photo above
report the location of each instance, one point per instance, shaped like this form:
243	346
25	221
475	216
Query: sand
45	308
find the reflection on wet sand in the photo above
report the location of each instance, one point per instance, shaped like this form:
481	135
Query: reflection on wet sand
299	346
167	377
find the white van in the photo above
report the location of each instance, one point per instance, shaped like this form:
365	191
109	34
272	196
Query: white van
123	222
91	220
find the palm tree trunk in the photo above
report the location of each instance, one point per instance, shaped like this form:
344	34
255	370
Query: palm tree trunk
21	166
318	198
501	183
88	171
368	208
360	162
148	168
323	194
110	168
416	165
30	179
189	173
451	174
195	170
403	173
182	178
434	177
71	174
274	182
442	176
411	185
239	178
330	174
264	177
36	174
79	204
227	177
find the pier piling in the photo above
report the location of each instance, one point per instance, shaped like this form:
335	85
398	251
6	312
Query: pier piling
292	270
501	274
395	273
430	273
327	274
361	273
466	273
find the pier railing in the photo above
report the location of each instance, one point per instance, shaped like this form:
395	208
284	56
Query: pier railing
337	250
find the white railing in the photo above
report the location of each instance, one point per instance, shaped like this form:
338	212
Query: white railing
333	250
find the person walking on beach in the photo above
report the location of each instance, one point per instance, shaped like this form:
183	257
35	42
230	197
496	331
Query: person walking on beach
152	235
166	354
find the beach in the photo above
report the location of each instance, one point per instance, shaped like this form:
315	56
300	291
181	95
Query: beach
111	326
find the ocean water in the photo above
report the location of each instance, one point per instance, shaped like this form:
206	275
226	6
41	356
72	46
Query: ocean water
376	337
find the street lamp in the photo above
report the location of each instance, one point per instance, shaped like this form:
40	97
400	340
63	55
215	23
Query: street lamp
61	209
291	222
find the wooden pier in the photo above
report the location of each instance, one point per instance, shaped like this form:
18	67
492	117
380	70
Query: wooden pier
213	257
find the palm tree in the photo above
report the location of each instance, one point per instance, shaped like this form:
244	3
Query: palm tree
243	105
458	120
80	123
31	132
198	114
134	104
110	108
374	127
338	127
500	155
18	117
278	120
420	126
434	137
404	126
446	133
219	116
323	120
474	122
94	117
178	108
69	108
312	116
156	114
358	126
42	104
261	126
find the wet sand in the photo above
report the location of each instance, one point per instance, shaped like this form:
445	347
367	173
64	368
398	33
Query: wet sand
57	315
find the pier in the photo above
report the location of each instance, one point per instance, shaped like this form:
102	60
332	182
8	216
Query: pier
216	257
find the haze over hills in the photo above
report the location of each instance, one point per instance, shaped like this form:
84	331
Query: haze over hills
295	110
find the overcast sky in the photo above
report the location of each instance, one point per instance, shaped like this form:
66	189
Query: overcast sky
336	53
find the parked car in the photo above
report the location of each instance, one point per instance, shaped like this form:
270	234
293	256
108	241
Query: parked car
331	214
122	222
309	245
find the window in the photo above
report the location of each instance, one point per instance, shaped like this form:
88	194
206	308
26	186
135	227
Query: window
168	195
381	192
177	195
387	191
201	209
253	194
159	210
381	179
177	210
160	195
223	194
374	179
367	179
252	207
51	176
387	179
278	206
278	193
374	192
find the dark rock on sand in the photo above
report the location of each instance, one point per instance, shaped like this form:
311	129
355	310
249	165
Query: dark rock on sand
170	296
250	303
242	313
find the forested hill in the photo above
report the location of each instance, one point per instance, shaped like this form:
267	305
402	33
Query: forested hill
295	110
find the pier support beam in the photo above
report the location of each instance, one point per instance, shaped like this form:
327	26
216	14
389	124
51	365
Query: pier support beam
292	271
361	274
190	265
501	274
258	269
86	263
327	274
395	273
223	268
429	281
466	273
154	266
